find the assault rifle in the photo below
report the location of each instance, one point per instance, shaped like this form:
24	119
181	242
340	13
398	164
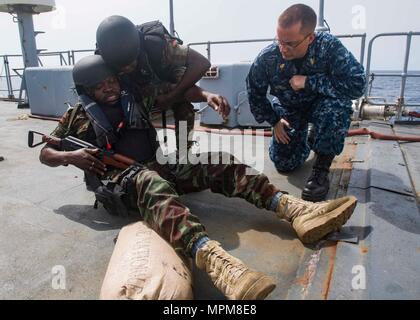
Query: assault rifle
71	143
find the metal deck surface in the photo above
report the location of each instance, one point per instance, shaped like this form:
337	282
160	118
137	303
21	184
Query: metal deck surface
47	219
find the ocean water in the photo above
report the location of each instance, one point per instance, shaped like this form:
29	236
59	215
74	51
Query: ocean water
390	87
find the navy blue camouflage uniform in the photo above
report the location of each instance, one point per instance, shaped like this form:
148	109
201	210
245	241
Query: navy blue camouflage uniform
334	78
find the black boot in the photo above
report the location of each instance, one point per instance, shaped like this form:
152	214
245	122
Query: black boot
318	184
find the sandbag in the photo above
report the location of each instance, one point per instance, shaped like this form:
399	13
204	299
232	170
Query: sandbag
144	266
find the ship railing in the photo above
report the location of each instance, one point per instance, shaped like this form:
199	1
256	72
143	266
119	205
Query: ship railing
69	58
208	44
400	104
13	75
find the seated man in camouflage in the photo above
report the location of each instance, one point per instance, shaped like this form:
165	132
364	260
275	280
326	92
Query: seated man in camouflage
155	188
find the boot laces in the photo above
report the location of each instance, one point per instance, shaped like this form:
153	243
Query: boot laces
300	206
229	270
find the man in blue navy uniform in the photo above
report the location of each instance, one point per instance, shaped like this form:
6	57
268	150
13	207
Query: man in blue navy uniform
314	78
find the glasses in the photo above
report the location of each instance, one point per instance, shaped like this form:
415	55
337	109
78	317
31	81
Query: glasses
290	45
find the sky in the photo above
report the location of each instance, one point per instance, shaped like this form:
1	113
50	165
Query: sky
73	25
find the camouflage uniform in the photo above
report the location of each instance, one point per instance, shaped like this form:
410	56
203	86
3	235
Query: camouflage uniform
145	83
334	78
158	187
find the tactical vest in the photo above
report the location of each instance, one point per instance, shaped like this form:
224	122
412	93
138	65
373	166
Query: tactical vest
115	196
135	117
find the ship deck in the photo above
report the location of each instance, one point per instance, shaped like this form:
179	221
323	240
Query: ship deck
47	219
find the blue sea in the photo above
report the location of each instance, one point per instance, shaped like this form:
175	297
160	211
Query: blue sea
390	87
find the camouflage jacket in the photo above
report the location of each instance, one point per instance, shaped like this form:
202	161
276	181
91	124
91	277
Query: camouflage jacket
75	123
159	69
331	70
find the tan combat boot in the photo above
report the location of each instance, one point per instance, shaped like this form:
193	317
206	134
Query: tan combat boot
230	275
313	220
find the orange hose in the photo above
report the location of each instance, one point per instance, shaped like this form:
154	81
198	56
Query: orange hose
44	117
251	132
351	133
414	114
376	135
268	133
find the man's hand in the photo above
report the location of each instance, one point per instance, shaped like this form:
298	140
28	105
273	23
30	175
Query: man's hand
298	82
219	104
280	133
86	160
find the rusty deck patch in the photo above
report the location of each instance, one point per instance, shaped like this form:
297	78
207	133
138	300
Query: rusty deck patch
317	265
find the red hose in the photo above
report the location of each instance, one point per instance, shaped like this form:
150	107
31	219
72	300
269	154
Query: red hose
351	133
268	133
44	117
376	135
414	114
245	132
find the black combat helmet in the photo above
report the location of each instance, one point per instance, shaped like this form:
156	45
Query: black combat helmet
91	70
118	41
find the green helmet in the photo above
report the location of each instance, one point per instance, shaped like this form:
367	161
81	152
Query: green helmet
91	70
118	41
